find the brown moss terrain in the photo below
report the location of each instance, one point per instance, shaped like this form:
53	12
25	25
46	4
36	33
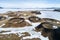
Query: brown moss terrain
53	21
23	24
19	13
9	37
25	34
13	36
19	20
11	14
33	39
3	19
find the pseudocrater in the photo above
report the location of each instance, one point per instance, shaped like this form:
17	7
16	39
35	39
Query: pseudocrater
17	22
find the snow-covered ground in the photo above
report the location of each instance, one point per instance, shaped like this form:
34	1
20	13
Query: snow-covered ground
30	29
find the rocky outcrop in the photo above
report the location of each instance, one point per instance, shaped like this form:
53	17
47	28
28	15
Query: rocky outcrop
47	30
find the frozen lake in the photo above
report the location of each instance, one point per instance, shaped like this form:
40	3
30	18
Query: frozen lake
23	9
50	14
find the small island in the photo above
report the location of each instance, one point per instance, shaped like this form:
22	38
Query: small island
1	7
57	10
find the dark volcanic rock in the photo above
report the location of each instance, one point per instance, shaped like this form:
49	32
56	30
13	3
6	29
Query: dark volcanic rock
56	34
48	31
